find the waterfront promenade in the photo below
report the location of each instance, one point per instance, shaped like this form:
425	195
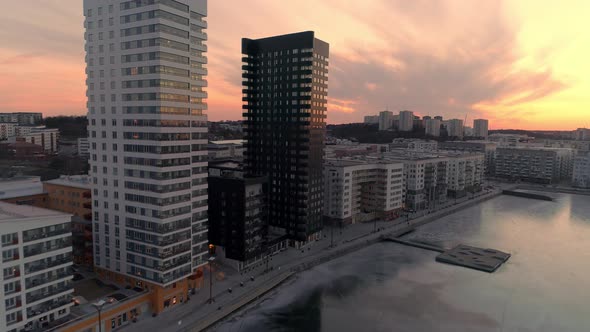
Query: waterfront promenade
197	314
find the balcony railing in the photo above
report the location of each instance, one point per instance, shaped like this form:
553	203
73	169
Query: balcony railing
48	293
41	235
38	281
47	306
45	265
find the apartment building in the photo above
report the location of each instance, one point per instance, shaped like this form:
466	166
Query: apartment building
455	128
581	173
23	190
145	66
465	173
541	165
385	120
371	119
83	147
432	127
485	147
362	190
406	121
39	135
480	128
238	214
7	129
285	80
425	177
22	118
36	267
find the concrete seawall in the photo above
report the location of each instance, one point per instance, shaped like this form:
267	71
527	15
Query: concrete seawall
526	195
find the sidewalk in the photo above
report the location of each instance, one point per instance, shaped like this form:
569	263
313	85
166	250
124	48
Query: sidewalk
192	315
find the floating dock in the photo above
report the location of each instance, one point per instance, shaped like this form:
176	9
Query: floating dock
487	260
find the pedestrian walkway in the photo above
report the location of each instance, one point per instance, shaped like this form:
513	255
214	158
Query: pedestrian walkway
197	313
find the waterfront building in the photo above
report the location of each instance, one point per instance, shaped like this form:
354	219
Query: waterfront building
581	173
385	120
36	267
371	119
145	66
480	128
432	127
238	215
455	128
425	177
362	190
485	147
406	121
541	165
285	82
465	173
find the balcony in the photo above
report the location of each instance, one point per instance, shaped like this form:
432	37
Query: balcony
19	318
17	304
171	265
15	273
46	293
10	243
48	306
42	265
29	236
44	279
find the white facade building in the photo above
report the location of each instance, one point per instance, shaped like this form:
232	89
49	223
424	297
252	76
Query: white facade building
83	147
362	190
20	186
22	118
148	138
432	127
226	149
385	120
36	267
542	165
406	121
581	173
480	128
582	134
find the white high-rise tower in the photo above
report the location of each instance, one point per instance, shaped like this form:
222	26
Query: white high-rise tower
148	142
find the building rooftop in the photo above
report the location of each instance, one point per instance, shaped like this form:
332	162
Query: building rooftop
226	164
20	186
76	181
12	212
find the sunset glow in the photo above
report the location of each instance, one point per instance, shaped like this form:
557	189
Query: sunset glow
522	64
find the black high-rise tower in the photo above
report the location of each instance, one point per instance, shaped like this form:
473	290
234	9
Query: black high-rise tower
285	81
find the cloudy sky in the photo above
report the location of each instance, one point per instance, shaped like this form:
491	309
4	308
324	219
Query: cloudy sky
520	63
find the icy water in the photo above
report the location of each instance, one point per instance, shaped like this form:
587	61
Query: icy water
545	286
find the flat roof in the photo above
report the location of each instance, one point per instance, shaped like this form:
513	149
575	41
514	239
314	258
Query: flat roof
76	181
12	212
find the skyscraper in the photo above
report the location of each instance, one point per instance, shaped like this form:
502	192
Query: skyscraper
285	82
480	128
406	121
148	142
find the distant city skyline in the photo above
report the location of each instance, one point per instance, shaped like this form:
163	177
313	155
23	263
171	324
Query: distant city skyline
514	63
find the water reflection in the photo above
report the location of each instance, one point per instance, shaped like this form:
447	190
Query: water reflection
389	287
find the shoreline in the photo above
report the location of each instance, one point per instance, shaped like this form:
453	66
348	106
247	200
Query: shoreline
351	246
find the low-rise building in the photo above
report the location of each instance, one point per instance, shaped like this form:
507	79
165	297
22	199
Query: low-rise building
581	173
540	165
83	147
22	118
362	190
226	149
72	194
36	267
23	190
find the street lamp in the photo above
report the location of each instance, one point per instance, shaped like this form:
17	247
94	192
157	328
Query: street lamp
98	306
211	260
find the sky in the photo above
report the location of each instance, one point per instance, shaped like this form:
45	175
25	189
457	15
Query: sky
519	63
